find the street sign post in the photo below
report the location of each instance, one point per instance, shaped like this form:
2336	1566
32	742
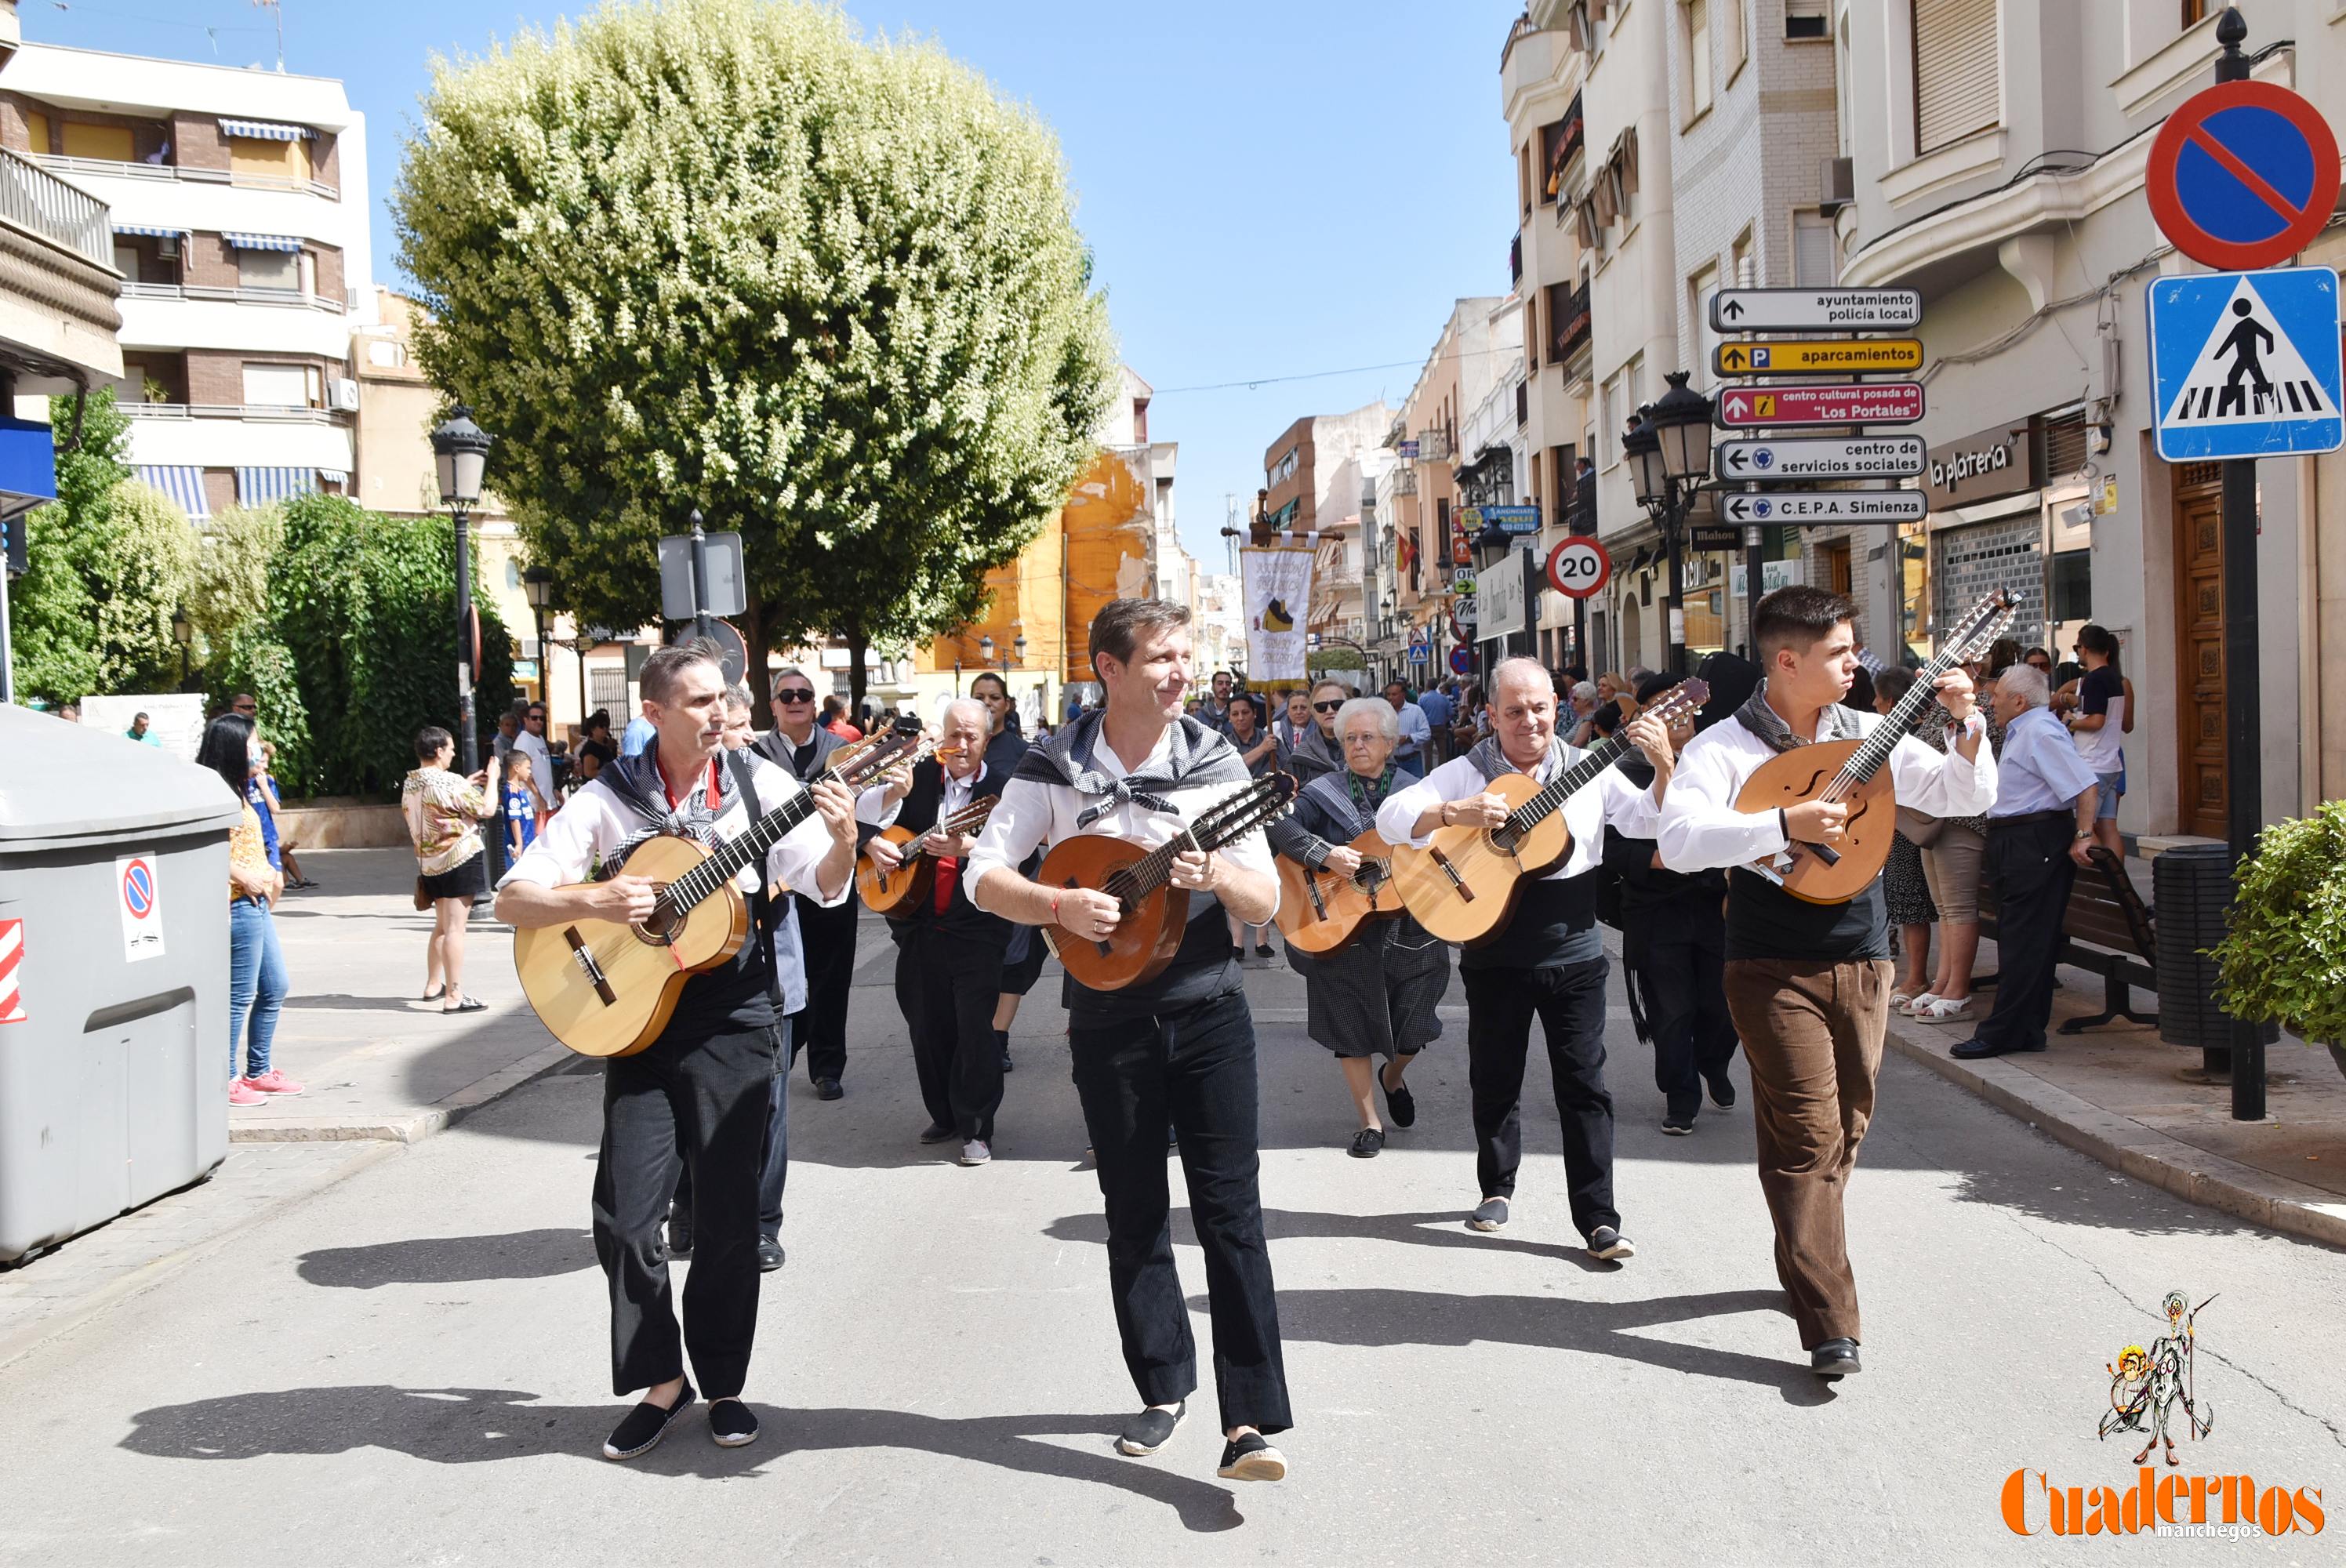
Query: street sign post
1880	402
1579	567
1821	457
1462	661
722	576
1421	653
1816	310
2242	175
2245	364
1809	507
1817	356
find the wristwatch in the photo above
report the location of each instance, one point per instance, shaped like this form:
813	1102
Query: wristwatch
2084	832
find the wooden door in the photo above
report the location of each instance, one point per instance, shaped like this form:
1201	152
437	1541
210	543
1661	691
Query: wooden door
2201	789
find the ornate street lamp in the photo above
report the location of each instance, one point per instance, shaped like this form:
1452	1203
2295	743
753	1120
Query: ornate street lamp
460	450
538	587
1670	447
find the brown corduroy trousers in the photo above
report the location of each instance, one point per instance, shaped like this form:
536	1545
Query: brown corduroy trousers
1813	1034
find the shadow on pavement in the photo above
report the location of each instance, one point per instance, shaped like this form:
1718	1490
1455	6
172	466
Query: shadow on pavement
469	1426
336	1001
1445	1228
1383	1317
451	1259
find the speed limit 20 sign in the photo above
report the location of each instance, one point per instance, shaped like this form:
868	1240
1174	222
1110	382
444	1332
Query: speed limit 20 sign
1578	566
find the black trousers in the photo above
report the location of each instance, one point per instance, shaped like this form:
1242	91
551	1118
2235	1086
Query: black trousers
774	1163
1680	970
1195	1069
706	1103
827	938
1568	1000
2028	865
947	986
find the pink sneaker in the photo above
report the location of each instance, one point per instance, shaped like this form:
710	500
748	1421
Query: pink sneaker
240	1093
273	1083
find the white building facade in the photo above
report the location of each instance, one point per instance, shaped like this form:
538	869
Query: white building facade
242	226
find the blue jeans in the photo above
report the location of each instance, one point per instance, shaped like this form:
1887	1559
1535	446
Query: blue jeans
256	984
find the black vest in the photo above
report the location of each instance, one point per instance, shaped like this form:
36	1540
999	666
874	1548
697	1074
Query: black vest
918	814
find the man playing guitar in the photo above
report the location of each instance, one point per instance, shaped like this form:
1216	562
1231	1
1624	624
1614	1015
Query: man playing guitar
699	1091
1550	958
1178	1050
1808	984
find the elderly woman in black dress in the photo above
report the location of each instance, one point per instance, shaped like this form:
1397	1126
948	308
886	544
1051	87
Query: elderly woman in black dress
1375	995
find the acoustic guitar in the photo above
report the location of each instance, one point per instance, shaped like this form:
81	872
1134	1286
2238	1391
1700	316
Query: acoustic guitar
607	989
1154	914
900	891
1463	885
1320	911
1851	771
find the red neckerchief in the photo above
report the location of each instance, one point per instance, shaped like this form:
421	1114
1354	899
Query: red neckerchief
675	801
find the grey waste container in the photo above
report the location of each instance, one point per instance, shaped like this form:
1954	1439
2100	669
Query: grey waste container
113	976
2192	884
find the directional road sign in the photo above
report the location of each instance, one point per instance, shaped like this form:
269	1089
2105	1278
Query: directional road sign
1817	356
2245	364
1812	506
2242	175
1880	402
1829	309
1822	457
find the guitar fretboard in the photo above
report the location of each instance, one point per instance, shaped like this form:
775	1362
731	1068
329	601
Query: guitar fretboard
1225	823
1985	621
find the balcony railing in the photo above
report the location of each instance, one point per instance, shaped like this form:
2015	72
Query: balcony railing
1567	314
236	296
1516	34
268	413
32	199
109	169
1516	260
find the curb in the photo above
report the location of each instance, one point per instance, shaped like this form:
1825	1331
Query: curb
420	1124
2189	1173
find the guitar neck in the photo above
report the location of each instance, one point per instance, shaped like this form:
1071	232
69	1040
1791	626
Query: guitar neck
961	822
1226	823
727	858
1565	785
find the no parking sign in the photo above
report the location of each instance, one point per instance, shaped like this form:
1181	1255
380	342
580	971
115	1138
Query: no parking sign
139	892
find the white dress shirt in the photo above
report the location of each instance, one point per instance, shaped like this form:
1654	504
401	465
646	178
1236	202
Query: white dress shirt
593	823
1032	813
874	807
2040	769
1610	797
1702	830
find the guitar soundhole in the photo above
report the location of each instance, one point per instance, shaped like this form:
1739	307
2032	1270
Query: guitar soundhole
1506	840
661	927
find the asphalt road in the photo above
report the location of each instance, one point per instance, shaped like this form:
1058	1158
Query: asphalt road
409	1367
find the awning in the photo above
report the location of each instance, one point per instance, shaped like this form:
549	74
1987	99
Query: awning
265	130
332	476
263	241
183	483
158	231
257	486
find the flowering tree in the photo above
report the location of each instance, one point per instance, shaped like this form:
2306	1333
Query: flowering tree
727	254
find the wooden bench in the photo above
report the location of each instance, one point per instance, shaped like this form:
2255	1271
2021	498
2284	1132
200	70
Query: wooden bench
2108	931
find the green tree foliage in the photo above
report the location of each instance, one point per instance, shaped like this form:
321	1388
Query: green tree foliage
233	569
2283	955
108	563
726	253
356	651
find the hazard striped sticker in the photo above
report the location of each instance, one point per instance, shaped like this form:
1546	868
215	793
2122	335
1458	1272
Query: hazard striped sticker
11	968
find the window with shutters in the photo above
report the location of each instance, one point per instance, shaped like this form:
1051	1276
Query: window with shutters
276	386
1699	289
1743	266
113	144
256	161
36	131
1695	40
269	269
1813	251
1957	71
1807	19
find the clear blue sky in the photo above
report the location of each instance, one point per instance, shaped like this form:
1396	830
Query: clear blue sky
1271	189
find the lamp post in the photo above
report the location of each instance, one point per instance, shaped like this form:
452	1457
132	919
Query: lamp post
183	632
537	586
582	644
460	450
1671	448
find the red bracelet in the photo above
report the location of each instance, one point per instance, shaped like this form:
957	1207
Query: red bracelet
1055	909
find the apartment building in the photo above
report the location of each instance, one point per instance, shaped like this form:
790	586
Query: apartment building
1423	545
1753	185
58	314
1998	151
1312	485
240	225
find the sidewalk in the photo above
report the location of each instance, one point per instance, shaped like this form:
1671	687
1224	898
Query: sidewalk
381	1069
2116	1093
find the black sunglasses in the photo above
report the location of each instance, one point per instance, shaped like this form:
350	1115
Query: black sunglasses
1327	706
795	694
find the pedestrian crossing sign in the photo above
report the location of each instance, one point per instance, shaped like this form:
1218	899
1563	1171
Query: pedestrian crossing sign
2245	364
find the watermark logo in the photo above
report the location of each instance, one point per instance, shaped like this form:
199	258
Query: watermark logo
2153	1393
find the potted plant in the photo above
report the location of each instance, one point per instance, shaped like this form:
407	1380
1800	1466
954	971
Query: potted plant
2283	955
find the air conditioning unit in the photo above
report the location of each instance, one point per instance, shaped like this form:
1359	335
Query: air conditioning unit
344	395
1837	185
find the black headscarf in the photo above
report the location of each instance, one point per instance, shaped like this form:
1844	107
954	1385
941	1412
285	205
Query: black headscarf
1732	681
